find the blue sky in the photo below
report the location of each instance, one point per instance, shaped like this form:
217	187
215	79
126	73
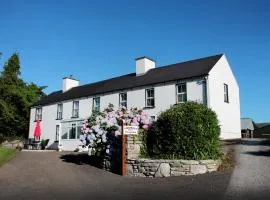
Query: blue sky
96	40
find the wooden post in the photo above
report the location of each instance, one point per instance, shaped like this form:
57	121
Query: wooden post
124	171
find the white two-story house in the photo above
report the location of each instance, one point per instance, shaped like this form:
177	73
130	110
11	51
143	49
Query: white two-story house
154	89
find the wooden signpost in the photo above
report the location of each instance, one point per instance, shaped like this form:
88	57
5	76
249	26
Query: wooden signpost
126	130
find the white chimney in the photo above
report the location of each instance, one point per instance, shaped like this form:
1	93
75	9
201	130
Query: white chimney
69	82
144	64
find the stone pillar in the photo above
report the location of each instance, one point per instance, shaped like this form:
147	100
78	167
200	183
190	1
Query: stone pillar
133	146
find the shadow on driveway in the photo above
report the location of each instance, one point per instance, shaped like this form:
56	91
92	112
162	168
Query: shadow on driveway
256	142
76	158
259	153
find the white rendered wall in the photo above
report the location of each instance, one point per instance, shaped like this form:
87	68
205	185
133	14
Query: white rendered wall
165	96
228	113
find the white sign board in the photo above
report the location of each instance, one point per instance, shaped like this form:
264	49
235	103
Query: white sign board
130	130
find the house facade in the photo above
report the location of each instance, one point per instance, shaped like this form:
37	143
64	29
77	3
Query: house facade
154	89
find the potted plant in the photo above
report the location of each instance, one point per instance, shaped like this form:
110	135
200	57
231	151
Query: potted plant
43	144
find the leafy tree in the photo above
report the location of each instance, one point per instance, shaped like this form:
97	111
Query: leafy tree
16	97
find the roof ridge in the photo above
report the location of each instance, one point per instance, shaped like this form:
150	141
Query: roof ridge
178	71
164	66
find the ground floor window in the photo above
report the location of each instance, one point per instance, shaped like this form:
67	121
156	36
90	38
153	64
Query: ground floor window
71	130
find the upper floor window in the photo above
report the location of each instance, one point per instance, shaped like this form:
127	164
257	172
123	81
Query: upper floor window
59	111
226	93
38	114
123	100
75	109
181	93
150	97
96	104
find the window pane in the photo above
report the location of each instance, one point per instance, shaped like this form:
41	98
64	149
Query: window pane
226	95
123	104
182	88
96	103
123	97
72	132
150	93
64	133
150	102
78	131
182	97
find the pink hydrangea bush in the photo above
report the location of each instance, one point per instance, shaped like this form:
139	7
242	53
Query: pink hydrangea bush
97	129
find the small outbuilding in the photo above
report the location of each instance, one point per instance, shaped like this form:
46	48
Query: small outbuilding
247	128
262	130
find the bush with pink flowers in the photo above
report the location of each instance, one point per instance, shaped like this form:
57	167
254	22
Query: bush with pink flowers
101	126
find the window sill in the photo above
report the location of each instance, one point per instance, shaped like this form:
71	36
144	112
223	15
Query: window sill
74	117
149	107
70	139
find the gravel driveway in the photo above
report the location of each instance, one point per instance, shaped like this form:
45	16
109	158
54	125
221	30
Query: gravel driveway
54	175
251	176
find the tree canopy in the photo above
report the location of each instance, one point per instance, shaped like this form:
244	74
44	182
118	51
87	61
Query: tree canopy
16	98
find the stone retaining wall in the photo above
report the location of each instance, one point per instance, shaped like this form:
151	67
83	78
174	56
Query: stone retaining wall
165	168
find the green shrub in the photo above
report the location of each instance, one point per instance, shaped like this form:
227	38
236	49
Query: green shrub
188	131
2	138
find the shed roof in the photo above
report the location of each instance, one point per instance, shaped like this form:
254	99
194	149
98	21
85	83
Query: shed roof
247	123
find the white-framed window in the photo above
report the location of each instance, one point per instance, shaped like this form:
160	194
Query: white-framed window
38	115
123	100
75	109
226	93
150	97
71	130
181	93
57	130
96	104
59	111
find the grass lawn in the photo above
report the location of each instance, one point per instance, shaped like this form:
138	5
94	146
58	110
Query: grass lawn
6	154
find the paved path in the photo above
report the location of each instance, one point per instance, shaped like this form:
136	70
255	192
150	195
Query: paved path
54	175
251	176
39	175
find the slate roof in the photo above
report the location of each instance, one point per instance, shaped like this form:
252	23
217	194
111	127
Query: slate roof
189	69
265	130
247	124
261	125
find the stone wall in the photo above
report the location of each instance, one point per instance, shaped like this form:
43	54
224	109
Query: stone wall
12	144
165	168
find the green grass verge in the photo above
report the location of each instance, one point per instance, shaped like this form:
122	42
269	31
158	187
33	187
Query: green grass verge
6	154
